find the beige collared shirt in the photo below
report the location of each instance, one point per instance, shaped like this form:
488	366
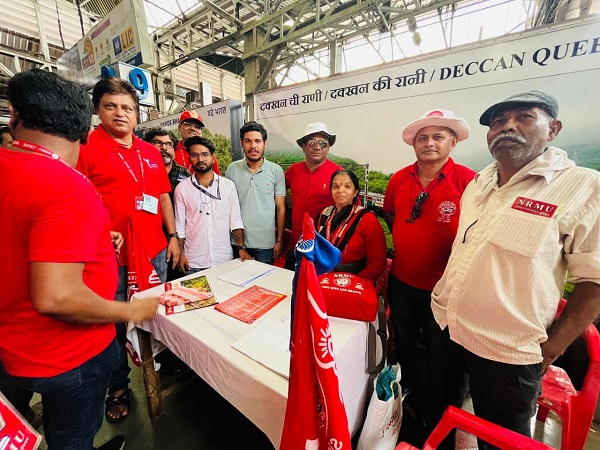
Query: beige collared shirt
514	246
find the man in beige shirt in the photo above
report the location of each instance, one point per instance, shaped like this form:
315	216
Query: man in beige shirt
529	222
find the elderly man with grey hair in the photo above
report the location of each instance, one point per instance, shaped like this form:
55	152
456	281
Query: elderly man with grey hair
529	222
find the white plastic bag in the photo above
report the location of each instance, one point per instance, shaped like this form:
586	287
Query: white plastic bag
382	424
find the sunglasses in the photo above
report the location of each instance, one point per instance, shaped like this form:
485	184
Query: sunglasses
313	143
416	211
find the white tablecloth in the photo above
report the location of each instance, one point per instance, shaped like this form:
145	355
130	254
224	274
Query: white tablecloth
202	339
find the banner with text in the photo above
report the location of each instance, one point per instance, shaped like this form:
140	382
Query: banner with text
369	109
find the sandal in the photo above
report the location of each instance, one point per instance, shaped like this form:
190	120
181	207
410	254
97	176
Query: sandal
113	403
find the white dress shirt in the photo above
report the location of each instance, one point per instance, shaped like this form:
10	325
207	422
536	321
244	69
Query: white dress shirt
206	219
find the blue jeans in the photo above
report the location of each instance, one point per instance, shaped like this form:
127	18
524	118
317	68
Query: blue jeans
73	401
119	379
263	255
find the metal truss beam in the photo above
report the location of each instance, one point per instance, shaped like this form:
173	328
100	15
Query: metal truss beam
18	57
318	23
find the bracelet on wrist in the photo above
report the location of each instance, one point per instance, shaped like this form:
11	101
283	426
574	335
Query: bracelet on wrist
242	247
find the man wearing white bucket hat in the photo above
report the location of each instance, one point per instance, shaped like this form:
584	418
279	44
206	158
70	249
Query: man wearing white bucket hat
308	181
421	208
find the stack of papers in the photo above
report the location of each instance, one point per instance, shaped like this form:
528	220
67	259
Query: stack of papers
268	344
249	272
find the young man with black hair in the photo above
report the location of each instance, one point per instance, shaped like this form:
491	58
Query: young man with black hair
260	186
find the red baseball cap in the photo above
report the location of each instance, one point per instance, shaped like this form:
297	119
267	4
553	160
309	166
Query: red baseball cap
191	116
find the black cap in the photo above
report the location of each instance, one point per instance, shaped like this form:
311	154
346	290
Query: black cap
533	98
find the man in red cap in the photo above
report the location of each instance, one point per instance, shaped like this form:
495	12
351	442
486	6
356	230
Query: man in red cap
190	124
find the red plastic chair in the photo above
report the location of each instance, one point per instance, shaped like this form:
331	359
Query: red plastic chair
575	408
489	432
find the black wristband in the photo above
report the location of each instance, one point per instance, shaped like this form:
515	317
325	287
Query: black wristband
172	235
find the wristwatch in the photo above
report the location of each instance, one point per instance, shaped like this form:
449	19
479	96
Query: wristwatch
242	247
173	235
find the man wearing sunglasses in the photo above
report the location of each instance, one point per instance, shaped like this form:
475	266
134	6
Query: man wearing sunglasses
421	208
308	181
529	222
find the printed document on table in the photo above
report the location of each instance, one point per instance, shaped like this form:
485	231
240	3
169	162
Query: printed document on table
247	273
268	344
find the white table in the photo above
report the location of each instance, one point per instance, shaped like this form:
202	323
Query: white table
202	339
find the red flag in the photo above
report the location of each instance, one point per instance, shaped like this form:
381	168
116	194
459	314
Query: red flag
315	417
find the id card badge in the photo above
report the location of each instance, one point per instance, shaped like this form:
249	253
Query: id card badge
150	204
139	203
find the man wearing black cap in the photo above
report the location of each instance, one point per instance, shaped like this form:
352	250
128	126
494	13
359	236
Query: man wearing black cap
308	181
529	222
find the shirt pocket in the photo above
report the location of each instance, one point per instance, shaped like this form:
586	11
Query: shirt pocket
265	187
522	233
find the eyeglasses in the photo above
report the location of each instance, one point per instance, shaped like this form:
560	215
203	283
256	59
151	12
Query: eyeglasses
416	211
159	144
193	125
203	155
313	143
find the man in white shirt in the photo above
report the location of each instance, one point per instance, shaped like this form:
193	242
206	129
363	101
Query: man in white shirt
529	222
207	212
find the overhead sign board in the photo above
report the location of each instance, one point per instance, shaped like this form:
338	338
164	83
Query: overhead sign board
121	36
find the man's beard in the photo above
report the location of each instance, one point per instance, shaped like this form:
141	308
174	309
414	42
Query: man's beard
205	169
167	159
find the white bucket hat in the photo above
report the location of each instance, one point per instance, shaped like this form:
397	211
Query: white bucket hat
313	128
437	118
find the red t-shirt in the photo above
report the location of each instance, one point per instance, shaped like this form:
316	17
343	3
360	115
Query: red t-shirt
100	161
309	191
54	215
423	247
182	157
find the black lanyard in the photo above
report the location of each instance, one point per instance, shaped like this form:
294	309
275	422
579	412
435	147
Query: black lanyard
205	192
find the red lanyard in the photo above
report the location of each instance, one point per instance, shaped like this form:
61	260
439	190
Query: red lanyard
341	227
44	151
129	167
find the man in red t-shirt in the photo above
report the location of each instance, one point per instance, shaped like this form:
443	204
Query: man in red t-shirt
190	125
56	335
308	181
130	176
421	208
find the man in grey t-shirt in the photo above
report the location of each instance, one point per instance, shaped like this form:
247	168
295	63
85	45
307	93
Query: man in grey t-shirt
261	190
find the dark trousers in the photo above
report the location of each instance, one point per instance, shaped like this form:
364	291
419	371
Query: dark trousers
410	308
446	378
18	396
119	378
73	401
504	394
290	260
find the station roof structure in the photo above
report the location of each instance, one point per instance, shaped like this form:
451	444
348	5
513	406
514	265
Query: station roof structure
282	41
